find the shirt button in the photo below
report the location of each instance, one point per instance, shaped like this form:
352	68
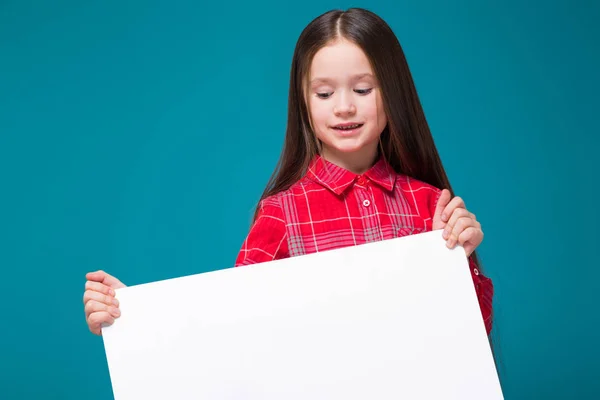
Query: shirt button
361	181
475	271
366	203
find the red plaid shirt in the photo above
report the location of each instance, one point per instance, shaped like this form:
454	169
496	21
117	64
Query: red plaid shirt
332	207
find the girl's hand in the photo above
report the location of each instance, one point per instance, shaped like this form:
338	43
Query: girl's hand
100	305
459	225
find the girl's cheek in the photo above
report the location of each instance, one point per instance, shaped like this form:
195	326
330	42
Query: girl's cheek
371	110
319	114
368	110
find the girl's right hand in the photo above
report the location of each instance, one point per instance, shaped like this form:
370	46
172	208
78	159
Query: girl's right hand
100	305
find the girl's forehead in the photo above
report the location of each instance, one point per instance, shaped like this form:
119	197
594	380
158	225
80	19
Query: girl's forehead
340	59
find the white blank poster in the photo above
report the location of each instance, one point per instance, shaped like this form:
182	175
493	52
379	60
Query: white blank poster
397	319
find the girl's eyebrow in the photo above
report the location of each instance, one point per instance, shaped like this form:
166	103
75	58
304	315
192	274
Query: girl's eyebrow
353	78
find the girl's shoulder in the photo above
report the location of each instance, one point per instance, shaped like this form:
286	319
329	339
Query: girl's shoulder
296	189
410	184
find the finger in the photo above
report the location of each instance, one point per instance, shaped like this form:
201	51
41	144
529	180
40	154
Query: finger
455	203
102	298
461	225
104	278
93	306
100	288
97	276
97	319
442	202
470	239
458	213
469	235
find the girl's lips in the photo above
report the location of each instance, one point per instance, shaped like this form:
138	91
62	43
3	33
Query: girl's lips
347	129
348	125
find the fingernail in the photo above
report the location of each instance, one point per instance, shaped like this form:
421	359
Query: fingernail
116	312
116	302
445	234
444	217
111	292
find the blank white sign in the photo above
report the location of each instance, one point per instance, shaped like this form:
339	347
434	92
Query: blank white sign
397	319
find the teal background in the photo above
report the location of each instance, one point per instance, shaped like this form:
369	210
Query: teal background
137	136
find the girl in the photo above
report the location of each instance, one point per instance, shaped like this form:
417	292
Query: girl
359	163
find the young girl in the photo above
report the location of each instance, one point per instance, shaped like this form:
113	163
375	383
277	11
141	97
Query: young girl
358	165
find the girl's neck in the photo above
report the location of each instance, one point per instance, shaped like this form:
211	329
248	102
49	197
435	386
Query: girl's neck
357	162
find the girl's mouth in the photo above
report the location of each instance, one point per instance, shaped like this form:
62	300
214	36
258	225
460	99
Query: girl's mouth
347	127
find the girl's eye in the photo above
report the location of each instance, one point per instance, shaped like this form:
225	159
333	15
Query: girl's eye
326	95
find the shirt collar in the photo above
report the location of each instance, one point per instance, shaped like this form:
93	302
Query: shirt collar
338	179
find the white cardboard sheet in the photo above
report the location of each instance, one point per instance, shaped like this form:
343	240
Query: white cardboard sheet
397	319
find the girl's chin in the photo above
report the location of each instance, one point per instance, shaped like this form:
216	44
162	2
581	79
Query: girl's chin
350	147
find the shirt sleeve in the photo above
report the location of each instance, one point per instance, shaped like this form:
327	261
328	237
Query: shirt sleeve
267	239
485	293
483	285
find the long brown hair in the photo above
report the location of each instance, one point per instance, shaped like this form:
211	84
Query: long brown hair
406	142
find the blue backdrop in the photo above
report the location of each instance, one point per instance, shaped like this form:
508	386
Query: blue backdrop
137	136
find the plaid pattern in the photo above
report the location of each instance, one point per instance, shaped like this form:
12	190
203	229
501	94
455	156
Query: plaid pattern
331	208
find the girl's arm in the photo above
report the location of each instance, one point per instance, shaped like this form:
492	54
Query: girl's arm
267	239
485	293
483	285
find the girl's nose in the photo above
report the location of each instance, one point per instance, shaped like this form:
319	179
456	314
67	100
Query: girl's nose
344	106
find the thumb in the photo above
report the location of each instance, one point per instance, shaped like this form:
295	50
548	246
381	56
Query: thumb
105	279
443	201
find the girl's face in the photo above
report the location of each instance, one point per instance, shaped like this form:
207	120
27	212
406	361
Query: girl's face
345	105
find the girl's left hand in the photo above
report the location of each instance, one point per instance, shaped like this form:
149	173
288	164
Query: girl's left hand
460	226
